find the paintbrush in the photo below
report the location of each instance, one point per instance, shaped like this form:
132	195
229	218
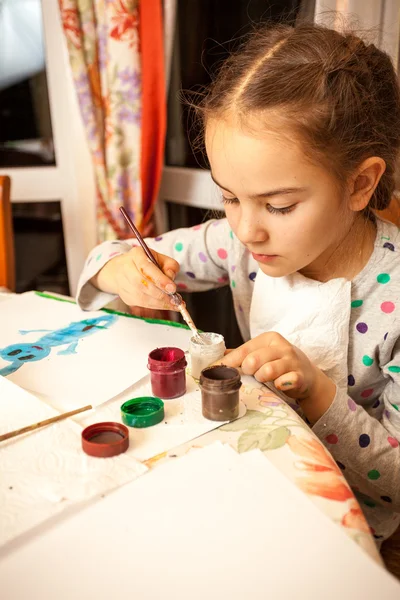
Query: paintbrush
177	298
11	434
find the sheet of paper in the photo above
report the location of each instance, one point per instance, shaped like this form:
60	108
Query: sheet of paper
183	420
46	471
73	357
212	524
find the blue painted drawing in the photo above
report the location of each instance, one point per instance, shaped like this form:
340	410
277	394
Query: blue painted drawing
69	336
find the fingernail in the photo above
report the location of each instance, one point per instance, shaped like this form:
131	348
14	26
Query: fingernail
170	288
170	273
172	303
286	384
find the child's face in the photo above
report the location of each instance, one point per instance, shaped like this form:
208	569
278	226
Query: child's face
285	210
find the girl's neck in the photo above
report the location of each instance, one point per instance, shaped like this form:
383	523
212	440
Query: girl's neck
348	256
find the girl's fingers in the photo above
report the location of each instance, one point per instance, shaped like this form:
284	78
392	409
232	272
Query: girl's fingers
270	371
149	271
137	286
254	361
134	296
264	342
234	358
168	265
287	382
162	277
143	283
153	275
170	273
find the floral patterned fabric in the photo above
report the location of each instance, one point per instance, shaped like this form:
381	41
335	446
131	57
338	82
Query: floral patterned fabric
103	44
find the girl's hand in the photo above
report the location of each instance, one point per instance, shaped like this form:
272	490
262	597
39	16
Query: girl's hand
271	358
137	281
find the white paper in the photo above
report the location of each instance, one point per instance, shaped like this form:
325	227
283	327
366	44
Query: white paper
46	471
109	357
212	524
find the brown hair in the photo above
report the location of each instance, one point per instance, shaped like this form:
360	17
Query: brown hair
338	94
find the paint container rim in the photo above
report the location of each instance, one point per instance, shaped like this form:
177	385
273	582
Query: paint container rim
106	449
144	411
158	364
216	340
220	378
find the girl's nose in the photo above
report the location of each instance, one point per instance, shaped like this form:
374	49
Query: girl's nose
251	230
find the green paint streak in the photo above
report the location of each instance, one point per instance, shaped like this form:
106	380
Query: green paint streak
117	312
395	407
287	383
394	369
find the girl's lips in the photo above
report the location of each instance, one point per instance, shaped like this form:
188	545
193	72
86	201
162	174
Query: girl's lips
264	258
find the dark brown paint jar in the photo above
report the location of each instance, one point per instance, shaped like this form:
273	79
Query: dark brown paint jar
220	387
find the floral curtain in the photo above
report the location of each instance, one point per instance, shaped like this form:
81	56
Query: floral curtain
105	50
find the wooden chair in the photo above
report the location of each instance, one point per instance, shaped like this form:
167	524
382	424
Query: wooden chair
7	253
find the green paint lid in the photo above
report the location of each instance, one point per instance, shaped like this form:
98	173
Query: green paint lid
142	412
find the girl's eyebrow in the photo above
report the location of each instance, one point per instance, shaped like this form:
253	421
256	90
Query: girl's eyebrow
269	194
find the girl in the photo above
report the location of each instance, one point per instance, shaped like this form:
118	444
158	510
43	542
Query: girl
302	132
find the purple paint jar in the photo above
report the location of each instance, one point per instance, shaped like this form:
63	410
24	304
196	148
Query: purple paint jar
167	372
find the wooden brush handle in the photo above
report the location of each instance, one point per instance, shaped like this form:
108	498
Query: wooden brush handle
11	434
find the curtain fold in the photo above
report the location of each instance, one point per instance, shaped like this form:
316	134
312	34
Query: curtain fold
117	67
154	111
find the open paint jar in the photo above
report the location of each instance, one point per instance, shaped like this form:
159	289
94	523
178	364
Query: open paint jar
142	412
203	355
220	393
105	439
167	372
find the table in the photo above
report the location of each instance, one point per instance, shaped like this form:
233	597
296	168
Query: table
274	427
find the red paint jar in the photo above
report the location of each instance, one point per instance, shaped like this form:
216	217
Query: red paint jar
167	372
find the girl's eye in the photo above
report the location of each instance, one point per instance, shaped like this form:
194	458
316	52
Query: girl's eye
282	211
226	200
271	209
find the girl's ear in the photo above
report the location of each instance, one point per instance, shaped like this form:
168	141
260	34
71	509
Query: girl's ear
363	183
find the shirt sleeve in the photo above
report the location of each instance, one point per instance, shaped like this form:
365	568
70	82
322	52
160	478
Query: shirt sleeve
367	448
201	251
